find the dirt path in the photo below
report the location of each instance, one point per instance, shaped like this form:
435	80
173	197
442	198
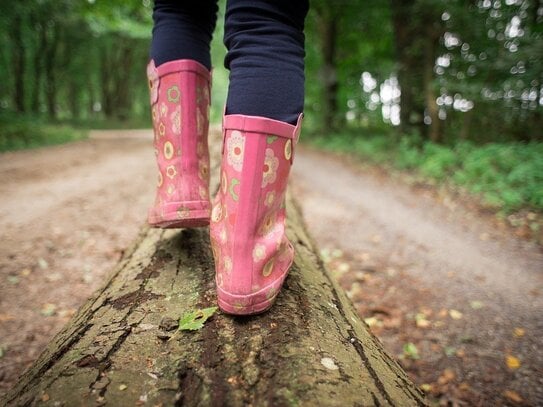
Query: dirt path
465	294
475	291
66	215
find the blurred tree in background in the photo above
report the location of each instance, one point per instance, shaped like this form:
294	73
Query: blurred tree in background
74	59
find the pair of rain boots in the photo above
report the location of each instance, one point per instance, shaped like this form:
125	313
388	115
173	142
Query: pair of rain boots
251	251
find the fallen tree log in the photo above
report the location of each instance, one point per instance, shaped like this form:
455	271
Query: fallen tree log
311	349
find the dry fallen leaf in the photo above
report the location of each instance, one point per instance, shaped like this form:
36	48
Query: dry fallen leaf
372	321
464	386
66	313
513	396
455	314
447	376
6	317
442	313
421	321
519	332
426	387
512	362
25	272
376	239
123	387
48	310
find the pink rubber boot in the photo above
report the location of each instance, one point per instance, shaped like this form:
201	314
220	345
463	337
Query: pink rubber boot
180	109
252	253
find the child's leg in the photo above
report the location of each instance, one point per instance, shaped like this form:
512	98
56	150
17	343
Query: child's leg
265	42
266	60
179	81
183	30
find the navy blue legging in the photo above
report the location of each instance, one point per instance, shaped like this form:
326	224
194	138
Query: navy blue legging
265	43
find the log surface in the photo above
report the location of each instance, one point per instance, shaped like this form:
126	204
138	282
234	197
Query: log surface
310	349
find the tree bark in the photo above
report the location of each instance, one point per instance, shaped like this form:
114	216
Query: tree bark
310	349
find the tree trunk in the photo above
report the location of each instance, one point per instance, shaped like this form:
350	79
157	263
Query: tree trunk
18	59
123	89
329	32
466	125
74	99
106	82
39	27
50	74
410	114
417	30
432	109
310	349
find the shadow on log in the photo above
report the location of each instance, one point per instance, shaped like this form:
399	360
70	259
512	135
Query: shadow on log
310	349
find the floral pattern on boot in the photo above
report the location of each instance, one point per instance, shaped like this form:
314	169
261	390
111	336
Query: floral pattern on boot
251	251
179	95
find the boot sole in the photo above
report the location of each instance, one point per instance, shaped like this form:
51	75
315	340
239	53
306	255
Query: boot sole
169	218
227	301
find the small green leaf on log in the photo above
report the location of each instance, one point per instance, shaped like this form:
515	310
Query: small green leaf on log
195	320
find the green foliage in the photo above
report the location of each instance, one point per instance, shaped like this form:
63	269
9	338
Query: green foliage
410	351
475	66
25	133
507	176
195	320
75	60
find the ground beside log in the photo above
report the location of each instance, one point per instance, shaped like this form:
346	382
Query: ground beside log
310	349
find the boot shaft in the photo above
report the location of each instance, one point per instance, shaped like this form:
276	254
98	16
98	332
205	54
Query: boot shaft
180	99
248	220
